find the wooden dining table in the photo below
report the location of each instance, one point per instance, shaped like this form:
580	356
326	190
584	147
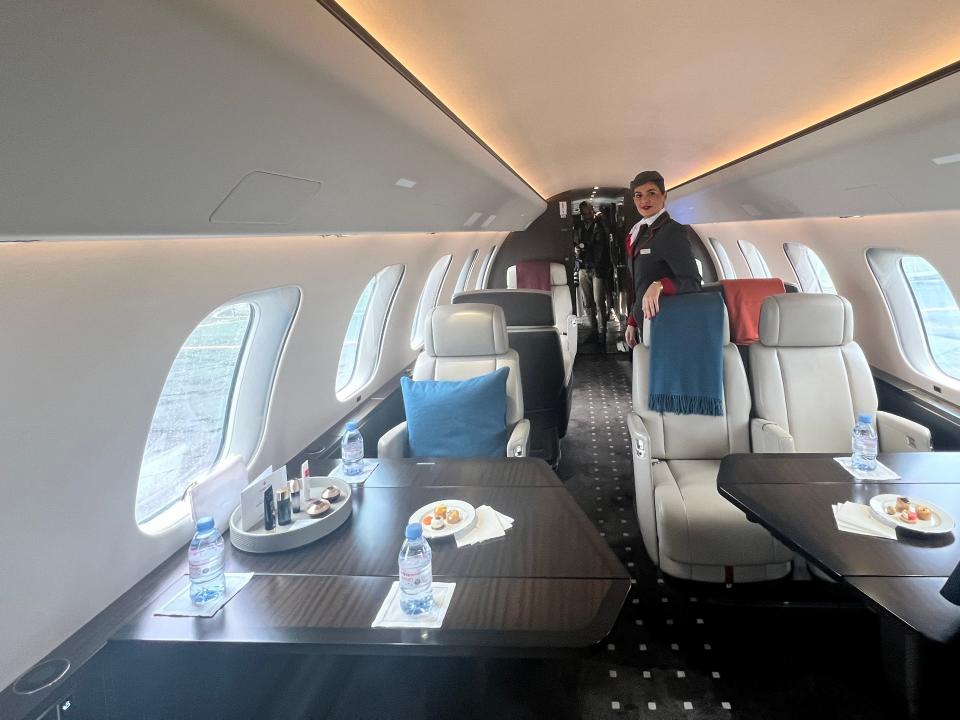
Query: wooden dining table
550	585
791	495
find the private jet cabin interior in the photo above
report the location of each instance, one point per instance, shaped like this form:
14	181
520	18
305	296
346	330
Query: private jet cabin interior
229	228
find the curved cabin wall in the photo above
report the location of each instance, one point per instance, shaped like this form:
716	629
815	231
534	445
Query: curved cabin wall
842	244
89	334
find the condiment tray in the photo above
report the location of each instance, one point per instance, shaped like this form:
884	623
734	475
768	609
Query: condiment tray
303	530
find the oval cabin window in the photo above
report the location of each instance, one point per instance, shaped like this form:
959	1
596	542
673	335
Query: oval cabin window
428	299
193	413
360	352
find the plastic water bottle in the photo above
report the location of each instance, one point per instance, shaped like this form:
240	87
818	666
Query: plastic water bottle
351	450
864	444
416	572
205	558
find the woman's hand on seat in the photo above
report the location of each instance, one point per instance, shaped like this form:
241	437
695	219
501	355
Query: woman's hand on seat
651	300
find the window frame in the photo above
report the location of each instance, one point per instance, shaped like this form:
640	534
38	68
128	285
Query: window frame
804	279
749	250
464	275
273	314
909	329
480	283
416	331
371	337
724	264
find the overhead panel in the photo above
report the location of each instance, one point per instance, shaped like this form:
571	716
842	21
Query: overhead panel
225	117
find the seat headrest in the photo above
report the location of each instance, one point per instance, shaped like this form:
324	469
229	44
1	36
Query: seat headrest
521	308
806	320
558	274
647	334
465	330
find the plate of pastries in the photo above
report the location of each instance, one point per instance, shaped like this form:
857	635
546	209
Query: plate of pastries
911	513
444	518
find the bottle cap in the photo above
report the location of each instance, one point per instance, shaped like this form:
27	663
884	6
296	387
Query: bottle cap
205	523
352	425
865	418
413	531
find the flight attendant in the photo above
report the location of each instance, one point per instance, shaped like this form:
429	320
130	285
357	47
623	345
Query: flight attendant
658	253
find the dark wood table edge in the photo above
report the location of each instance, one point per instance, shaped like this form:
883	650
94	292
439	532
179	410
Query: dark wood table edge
354	641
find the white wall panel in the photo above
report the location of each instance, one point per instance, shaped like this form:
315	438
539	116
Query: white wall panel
90	329
842	243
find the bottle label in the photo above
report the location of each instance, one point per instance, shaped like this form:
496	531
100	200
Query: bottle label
415	579
351	453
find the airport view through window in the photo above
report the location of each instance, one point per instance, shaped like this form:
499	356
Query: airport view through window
938	311
348	353
189	424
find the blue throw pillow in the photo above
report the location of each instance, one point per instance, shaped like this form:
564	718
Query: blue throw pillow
465	418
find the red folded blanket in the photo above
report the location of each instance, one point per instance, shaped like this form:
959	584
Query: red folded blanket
533	275
744	298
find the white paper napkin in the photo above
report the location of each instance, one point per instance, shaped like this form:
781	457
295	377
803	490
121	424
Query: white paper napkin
859	519
881	472
182	606
490	524
391	616
368	467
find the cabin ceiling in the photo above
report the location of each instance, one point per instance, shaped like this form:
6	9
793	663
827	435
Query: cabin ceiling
575	94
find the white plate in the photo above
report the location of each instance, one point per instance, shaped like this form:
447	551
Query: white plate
939	522
467	512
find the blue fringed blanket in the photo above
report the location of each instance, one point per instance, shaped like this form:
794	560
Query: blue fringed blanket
686	355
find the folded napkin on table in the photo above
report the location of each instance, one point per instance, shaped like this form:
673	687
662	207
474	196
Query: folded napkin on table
391	616
368	467
859	519
180	605
881	472
490	524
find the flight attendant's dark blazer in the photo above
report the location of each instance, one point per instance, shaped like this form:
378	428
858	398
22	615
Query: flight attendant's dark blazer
661	252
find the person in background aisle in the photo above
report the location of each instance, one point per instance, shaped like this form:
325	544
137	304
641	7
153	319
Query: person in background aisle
591	246
658	253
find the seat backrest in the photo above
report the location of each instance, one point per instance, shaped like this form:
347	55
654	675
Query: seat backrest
467	340
695	437
559	290
529	318
808	375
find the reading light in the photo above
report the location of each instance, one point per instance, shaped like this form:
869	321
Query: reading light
404	183
946	159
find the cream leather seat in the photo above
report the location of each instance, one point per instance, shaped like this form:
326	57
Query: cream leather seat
688	529
564	318
461	342
810	380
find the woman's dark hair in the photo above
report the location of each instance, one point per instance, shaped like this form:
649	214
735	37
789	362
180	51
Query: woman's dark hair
648	176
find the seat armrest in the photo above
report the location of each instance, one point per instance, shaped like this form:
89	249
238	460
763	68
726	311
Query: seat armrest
897	434
573	332
394	443
768	437
644	497
519	443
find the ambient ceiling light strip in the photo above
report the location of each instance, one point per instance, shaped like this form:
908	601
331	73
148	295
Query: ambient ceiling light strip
895	92
398	64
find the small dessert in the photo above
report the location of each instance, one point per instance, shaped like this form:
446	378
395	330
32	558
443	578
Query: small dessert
440	510
891	510
453	516
437	523
923	512
317	508
906	516
903	503
911	516
331	493
427	520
